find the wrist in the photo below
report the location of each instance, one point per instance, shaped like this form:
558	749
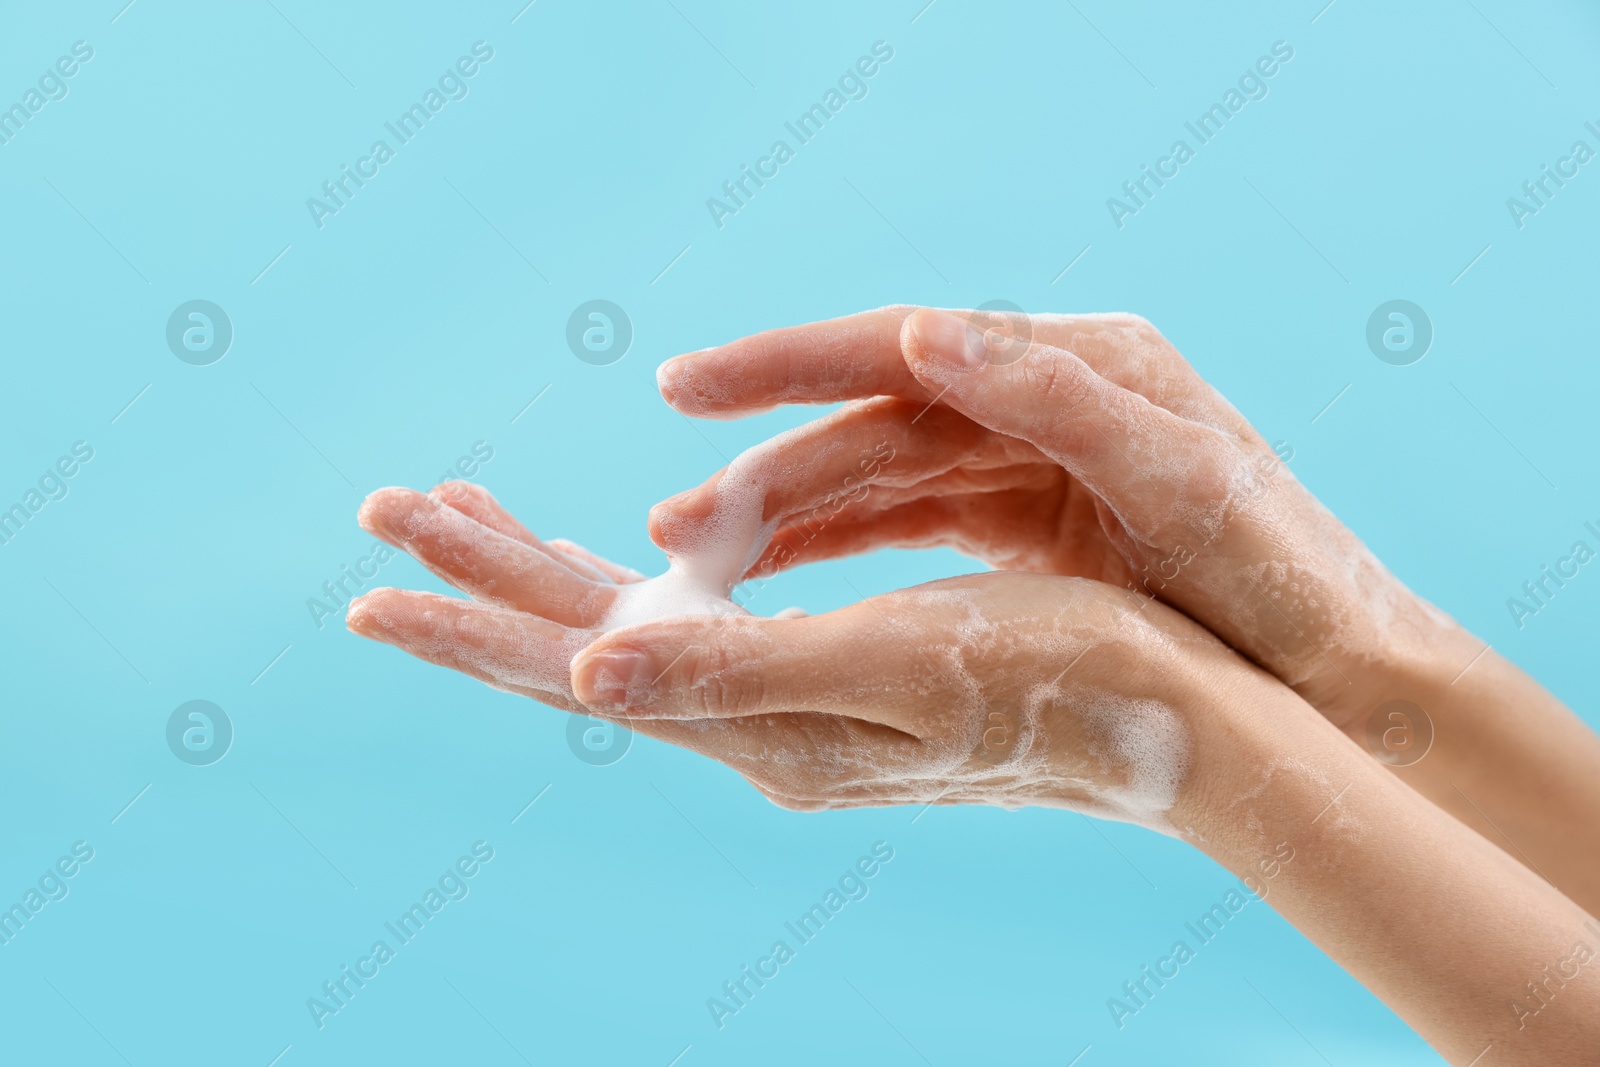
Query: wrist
1429	703
1348	855
1413	656
1246	726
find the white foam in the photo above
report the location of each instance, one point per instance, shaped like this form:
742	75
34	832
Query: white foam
1134	753
1148	746
710	559
709	555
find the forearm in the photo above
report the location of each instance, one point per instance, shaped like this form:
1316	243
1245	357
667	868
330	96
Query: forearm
1507	759
1439	924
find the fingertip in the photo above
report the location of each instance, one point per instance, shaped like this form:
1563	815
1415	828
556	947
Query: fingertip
455	492
678	516
666	375
709	384
678	383
362	615
384	511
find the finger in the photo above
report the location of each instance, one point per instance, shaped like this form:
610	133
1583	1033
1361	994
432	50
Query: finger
1007	530
847	358
805	755
616	572
479	561
856	356
474	500
505	649
478	503
788	803
733	666
1017	525
1147	463
1041	483
811	804
517	653
826	465
530	656
842	359
924	792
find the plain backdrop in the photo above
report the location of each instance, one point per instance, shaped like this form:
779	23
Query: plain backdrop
424	316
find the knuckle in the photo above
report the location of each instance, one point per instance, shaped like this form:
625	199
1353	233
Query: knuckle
1060	381
718	683
1140	326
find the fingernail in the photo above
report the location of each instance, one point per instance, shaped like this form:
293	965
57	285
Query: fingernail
950	340
614	680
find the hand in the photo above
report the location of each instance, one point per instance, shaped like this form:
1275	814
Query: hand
1001	688
1019	689
1075	445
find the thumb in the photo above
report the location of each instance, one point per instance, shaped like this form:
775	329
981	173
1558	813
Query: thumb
716	667
1112	439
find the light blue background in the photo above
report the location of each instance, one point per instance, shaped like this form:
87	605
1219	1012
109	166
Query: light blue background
410	327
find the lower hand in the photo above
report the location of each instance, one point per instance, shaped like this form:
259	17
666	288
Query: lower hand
1000	688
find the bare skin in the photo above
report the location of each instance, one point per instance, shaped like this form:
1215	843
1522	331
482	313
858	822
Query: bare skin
1056	690
1012	689
1087	446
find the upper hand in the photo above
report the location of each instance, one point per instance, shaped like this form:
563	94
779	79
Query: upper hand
1076	445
